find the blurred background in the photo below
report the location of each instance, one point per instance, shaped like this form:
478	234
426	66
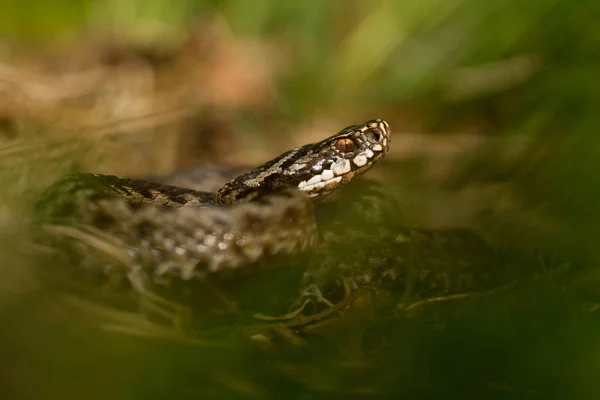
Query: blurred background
493	107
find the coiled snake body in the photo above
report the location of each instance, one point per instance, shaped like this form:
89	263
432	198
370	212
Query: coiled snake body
166	232
176	245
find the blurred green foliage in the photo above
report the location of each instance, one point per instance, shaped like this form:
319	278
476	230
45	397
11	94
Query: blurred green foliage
525	73
40	19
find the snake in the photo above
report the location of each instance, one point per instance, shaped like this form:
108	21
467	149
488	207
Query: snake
170	233
303	228
170	237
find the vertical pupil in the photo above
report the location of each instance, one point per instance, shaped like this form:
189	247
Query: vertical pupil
345	145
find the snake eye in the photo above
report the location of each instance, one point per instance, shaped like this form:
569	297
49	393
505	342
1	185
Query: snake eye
345	145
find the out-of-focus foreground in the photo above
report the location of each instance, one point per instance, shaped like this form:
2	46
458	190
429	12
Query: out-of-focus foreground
493	110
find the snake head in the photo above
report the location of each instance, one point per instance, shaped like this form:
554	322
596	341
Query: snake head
339	158
317	168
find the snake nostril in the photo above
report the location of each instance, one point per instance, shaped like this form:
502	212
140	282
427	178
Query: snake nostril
376	136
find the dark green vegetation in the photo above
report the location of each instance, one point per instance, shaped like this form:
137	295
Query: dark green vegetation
493	108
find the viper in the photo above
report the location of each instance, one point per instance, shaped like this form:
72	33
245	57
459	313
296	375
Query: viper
156	233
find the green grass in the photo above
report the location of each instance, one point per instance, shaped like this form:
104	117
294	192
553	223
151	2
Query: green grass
521	75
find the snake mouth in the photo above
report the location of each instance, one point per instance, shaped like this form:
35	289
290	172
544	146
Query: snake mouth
354	151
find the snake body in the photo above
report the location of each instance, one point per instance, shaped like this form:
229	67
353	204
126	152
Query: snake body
175	245
168	232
